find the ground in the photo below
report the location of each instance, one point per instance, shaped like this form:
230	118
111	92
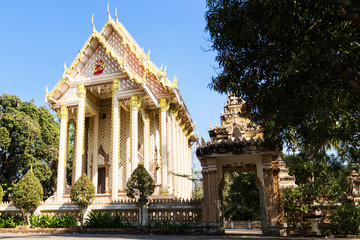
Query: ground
231	234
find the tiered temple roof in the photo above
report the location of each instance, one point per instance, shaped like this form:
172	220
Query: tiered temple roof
124	57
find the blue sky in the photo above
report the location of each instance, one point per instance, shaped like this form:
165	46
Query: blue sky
37	37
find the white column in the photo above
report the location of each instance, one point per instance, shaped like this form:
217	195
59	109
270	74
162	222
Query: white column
128	148
115	142
60	181
134	105
80	127
189	190
146	140
164	106
171	152
95	152
178	150
182	163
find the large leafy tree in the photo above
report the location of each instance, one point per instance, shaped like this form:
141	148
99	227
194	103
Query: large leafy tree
295	63
28	137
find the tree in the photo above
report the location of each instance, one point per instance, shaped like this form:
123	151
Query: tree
1	193
328	184
295	63
28	137
139	187
28	193
241	197
82	193
197	184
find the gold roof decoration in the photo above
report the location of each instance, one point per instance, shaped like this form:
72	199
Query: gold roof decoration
143	59
127	57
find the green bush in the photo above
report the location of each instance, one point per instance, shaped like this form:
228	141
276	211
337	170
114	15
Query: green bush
28	193
140	185
97	219
345	220
10	221
53	221
82	193
168	225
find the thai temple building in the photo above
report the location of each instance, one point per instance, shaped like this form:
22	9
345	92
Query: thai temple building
125	112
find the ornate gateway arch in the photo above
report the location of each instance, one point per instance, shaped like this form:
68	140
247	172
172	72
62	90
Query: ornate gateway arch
236	146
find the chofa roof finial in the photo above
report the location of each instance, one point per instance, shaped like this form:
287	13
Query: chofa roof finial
116	18
92	23
108	12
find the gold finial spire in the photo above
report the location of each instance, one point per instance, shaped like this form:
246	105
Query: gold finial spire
92	23
148	55
65	67
174	82
108	12
116	18
165	69
47	91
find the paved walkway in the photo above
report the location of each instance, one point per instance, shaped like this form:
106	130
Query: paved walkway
230	234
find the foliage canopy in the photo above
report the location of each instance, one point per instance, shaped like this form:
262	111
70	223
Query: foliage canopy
295	63
28	137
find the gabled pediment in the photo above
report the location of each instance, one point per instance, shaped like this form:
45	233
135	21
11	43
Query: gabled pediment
110	67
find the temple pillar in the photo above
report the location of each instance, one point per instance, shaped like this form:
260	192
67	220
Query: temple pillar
80	127
62	152
164	107
272	194
146	140
259	179
134	105
173	153
115	141
211	201
178	160
95	152
169	151
182	162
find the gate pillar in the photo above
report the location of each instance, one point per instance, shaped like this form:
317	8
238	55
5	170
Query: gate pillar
211	220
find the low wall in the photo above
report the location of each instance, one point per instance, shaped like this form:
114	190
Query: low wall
158	209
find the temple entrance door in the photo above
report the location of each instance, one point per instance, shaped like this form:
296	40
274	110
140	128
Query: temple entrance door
101	181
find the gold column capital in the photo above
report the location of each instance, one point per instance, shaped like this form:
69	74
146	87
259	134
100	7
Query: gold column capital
63	112
135	102
81	90
115	84
164	106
